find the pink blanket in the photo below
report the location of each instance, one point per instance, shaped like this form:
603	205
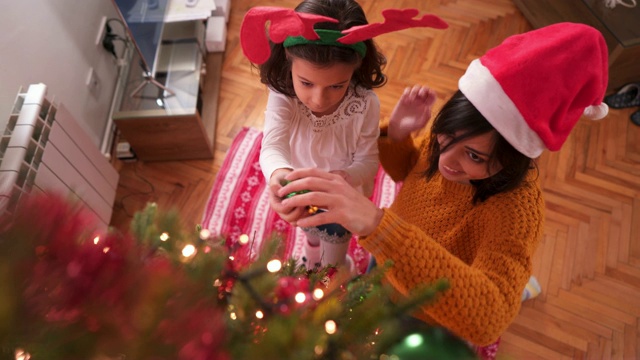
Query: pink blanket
238	203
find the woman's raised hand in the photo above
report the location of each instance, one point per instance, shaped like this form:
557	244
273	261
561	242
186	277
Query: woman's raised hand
411	113
343	204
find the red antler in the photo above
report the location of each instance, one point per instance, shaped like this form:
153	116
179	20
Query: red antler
394	19
284	23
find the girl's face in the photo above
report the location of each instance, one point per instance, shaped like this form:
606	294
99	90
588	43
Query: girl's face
468	159
321	89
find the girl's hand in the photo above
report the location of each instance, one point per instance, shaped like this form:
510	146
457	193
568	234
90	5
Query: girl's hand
287	213
411	113
343	204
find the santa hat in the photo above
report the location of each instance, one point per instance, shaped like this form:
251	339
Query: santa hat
534	87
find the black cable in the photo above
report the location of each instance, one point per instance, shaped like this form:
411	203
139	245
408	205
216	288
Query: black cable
151	191
124	27
110	37
108	44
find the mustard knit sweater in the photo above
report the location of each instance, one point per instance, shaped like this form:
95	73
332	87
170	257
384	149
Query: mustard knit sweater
433	231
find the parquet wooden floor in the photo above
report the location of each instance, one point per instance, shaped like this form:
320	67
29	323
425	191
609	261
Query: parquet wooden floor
588	262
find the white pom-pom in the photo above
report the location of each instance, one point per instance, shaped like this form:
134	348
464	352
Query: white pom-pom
596	112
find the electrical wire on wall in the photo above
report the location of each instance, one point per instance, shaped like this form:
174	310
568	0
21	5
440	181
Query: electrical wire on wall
108	42
122	61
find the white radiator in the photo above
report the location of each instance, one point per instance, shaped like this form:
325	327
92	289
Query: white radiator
44	149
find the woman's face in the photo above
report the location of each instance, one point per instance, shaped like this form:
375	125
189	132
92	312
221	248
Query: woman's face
321	89
468	159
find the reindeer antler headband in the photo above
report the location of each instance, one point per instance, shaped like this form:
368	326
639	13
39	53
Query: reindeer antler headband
295	28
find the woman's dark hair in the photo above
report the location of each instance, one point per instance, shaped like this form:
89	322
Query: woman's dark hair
459	116
276	72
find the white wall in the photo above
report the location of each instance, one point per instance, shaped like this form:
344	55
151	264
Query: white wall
53	42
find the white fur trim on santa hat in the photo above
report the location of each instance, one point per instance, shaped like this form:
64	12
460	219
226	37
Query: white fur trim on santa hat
596	112
486	94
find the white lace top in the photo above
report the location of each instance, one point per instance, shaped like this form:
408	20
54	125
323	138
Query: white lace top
345	140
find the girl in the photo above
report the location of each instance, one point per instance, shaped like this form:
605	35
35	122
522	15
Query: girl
471	209
321	111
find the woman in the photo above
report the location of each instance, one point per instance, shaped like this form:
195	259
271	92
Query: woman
470	209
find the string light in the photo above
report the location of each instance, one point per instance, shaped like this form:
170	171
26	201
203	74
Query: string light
164	236
318	294
300	297
233	316
231	258
96	240
414	340
188	250
205	234
274	265
22	355
106	249
217	283
259	314
243	239
330	327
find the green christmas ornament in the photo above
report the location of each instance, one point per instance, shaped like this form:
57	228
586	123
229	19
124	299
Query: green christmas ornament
431	344
285	182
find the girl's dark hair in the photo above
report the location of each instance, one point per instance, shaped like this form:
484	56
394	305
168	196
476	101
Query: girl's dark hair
459	115
276	72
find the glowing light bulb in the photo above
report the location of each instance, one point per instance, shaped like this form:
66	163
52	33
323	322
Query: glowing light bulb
274	265
318	294
106	249
330	327
205	234
243	239
232	258
188	250
164	236
300	297
259	314
233	316
217	283
22	355
414	340
96	240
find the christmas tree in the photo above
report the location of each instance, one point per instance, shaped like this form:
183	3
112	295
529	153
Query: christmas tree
70	291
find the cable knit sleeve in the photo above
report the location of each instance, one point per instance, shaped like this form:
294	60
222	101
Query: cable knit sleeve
485	254
397	158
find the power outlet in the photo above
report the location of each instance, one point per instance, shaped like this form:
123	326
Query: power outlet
102	31
93	83
92	80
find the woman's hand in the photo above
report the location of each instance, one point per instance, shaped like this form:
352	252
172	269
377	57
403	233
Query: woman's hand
411	113
343	204
288	213
344	175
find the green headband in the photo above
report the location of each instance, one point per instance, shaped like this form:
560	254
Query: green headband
327	37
